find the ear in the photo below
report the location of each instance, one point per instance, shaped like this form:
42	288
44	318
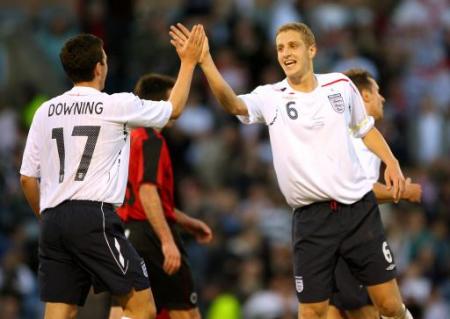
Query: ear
97	69
312	51
366	95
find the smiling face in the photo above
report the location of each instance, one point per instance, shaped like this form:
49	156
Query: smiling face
294	54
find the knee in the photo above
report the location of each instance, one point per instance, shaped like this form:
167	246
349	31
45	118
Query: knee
390	307
73	313
313	312
150	311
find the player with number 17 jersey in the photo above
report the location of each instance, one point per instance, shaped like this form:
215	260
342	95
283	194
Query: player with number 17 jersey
88	159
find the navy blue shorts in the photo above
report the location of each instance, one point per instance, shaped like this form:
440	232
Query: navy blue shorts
82	244
323	232
349	293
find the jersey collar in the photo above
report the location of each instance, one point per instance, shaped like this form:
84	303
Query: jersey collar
83	90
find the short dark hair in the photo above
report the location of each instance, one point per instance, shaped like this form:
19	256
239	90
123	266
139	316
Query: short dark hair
361	78
154	86
80	55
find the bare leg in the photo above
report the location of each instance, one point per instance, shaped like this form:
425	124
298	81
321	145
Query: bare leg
56	310
185	314
138	304
387	299
335	313
316	310
366	312
115	312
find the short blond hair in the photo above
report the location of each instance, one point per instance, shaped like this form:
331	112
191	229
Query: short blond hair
303	29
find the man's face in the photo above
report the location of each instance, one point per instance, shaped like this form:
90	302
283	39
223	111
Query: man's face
374	101
294	56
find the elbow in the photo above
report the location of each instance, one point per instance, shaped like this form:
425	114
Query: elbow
175	114
24	180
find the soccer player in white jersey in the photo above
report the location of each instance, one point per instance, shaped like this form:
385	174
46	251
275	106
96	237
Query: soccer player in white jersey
350	300
74	171
335	212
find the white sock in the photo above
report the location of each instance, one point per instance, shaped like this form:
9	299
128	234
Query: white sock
405	315
125	318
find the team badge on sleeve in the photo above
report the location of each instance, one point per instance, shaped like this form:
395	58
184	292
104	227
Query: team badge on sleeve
337	102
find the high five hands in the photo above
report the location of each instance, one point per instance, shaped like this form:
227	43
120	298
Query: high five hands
190	47
180	36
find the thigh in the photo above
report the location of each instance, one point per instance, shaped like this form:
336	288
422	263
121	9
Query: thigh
385	293
61	279
366	312
316	238
102	249
349	293
365	249
60	311
172	292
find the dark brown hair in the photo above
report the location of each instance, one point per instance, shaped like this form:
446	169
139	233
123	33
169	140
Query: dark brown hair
361	78
154	86
80	55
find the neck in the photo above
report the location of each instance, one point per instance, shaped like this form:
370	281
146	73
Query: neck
305	83
93	84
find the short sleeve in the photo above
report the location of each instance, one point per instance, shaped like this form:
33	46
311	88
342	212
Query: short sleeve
360	123
151	150
137	112
30	160
254	102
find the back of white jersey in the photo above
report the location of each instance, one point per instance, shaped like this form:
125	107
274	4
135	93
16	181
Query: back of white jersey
78	144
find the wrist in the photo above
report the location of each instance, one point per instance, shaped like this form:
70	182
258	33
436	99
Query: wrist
206	61
188	65
392	162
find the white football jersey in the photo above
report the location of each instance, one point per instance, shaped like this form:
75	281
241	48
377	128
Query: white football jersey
369	161
313	155
78	144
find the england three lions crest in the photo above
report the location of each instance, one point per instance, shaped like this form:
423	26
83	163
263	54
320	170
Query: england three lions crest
299	283
337	102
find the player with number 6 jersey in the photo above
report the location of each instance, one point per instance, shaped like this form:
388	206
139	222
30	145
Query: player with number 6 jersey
308	116
74	171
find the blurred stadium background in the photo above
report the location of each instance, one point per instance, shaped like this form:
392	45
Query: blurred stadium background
223	170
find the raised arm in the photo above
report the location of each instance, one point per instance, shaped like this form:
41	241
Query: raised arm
220	88
189	53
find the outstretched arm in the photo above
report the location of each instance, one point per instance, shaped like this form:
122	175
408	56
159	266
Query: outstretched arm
412	193
220	88
393	174
196	227
189	52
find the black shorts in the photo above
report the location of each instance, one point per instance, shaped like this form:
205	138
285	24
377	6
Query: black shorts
349	293
172	292
82	243
324	231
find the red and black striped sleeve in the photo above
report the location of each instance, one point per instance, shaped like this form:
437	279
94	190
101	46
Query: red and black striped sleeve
151	152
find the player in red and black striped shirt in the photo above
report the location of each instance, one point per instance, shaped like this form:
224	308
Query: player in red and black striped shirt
150	215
